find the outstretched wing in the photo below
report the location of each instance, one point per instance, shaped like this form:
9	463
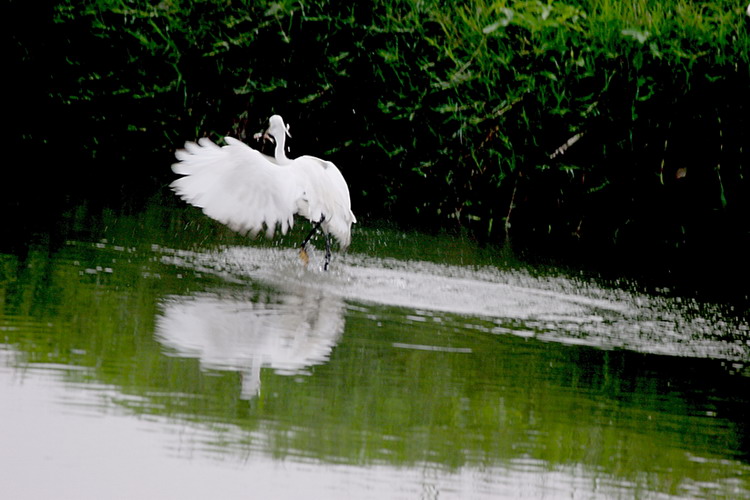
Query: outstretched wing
237	186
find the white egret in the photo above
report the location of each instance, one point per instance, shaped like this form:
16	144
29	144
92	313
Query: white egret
248	191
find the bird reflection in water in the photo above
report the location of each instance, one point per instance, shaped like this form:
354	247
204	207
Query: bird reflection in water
289	332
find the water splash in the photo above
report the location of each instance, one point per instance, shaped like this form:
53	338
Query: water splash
554	308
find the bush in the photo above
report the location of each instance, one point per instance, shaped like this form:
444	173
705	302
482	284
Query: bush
615	124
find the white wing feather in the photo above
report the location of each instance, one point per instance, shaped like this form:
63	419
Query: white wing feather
237	186
326	195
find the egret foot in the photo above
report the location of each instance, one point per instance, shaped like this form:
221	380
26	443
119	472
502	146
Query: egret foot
303	251
303	256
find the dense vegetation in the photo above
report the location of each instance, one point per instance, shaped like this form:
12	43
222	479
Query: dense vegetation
580	124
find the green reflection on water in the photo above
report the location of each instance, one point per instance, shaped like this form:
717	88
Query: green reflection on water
400	386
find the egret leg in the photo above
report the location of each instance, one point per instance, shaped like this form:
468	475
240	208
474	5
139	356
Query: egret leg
303	247
328	252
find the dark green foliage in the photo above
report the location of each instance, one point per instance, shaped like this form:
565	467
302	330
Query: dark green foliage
614	124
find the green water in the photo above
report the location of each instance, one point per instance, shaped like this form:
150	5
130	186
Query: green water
156	355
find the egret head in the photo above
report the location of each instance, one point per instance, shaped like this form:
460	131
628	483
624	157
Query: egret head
276	128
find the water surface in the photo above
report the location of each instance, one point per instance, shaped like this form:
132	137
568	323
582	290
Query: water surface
155	355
